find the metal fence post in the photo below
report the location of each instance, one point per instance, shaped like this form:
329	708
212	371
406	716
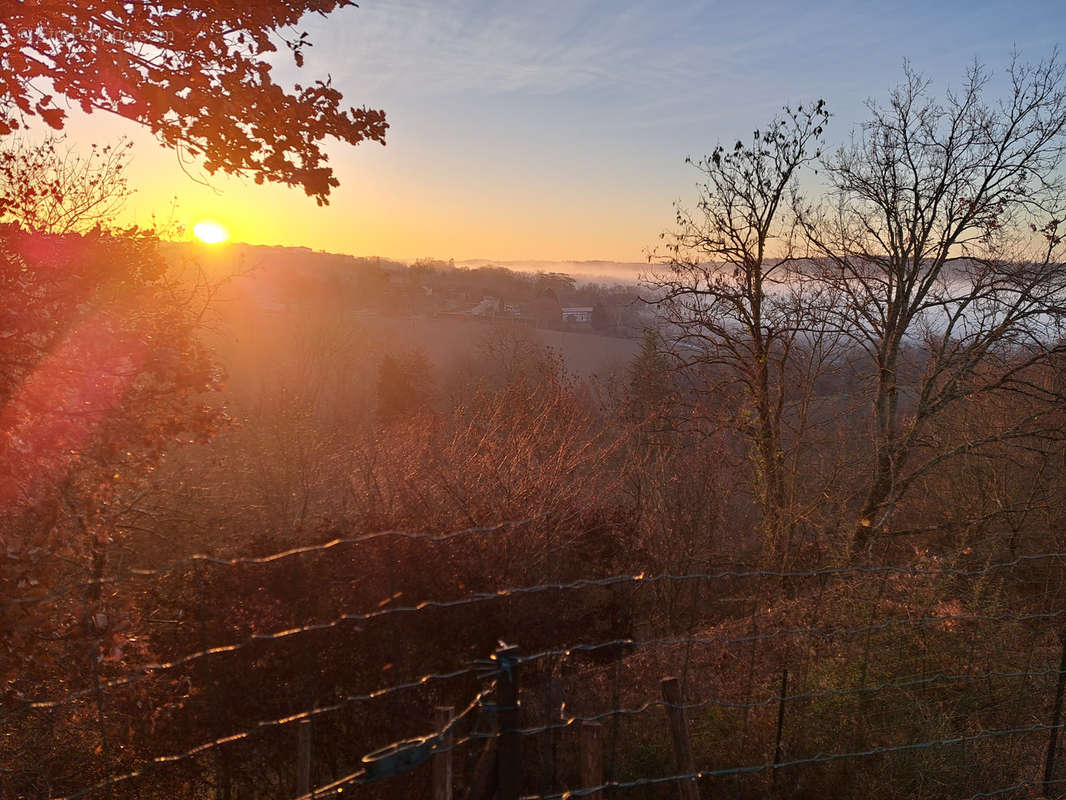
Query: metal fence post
508	761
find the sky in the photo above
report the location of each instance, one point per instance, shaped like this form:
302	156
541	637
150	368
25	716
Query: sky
558	130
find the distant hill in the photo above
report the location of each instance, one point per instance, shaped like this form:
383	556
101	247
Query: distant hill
622	271
533	292
267	256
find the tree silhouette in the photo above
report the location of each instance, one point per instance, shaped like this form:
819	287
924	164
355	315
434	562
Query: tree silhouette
941	241
193	72
101	372
48	190
729	298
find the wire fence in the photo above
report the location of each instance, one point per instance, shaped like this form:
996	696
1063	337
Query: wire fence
949	678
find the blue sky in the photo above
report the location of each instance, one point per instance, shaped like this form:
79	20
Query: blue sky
558	130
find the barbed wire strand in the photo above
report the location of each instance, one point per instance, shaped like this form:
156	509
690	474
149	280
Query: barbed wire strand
221	561
360	776
612	713
826	633
263	725
769	701
150	670
1017	787
773	700
208	746
639	579
821	758
432	743
827	572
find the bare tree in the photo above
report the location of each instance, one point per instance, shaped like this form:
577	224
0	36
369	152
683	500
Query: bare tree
940	240
48	189
724	291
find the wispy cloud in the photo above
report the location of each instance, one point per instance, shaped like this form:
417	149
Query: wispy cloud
550	47
650	63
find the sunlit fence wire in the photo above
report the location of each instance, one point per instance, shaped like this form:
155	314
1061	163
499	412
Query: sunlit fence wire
959	699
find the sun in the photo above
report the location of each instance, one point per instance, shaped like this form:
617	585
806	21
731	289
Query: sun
210	232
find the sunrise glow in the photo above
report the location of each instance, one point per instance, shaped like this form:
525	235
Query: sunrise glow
210	232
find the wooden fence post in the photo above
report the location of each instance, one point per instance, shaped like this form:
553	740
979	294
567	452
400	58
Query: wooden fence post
303	758
592	757
442	760
780	724
687	790
1056	720
483	782
508	758
554	717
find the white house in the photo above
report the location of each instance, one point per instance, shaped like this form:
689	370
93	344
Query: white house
578	314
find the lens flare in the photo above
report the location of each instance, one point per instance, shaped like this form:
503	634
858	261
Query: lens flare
210	232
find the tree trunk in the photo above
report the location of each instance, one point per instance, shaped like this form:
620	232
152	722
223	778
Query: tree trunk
886	460
771	492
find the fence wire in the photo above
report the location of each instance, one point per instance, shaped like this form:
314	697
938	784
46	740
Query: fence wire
819	759
431	744
153	669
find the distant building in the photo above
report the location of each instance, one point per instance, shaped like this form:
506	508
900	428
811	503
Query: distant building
578	315
496	307
488	307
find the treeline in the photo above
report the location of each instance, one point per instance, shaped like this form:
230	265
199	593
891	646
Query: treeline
298	277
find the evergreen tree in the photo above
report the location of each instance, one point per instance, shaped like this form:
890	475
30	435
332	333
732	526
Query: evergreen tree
650	395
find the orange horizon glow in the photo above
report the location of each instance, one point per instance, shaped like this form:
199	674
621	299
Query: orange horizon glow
381	208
